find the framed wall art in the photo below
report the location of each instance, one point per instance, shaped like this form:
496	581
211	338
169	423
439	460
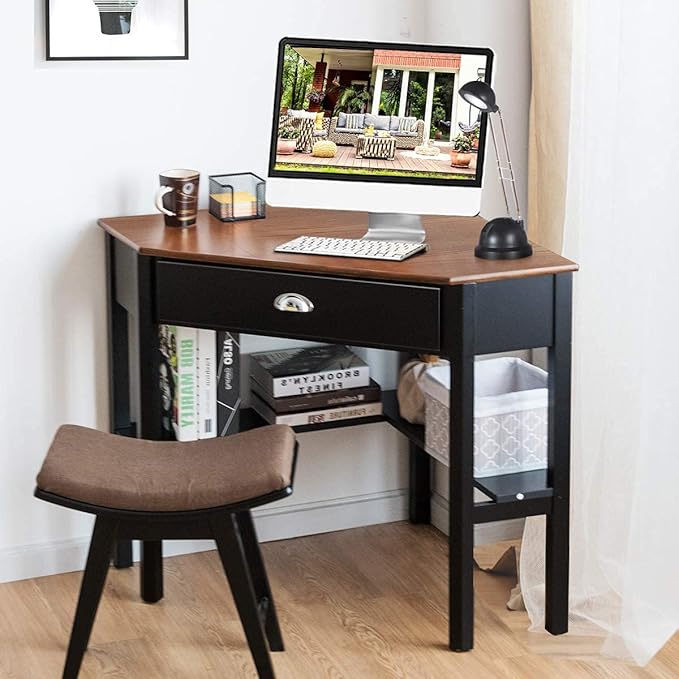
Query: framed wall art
116	29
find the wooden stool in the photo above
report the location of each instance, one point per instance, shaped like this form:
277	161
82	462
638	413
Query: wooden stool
158	490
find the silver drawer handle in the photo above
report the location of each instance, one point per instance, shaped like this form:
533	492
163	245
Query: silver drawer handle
293	301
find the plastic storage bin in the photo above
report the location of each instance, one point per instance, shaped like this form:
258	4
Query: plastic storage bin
510	416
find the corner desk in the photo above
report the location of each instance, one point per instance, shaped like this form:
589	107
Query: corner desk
446	302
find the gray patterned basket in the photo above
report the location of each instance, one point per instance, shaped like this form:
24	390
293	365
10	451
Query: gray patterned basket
510	416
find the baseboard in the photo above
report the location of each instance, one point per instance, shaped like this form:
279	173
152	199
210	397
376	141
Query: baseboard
273	523
484	533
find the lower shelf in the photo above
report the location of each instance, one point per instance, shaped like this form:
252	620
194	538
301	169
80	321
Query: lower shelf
250	419
513	496
512	487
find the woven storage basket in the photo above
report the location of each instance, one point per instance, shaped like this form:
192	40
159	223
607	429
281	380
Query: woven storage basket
510	416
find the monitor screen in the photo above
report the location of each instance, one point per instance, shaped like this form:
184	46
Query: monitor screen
379	112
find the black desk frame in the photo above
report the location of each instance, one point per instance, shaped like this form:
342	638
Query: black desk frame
474	319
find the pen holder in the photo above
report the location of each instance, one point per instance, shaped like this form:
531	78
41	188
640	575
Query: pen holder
237	196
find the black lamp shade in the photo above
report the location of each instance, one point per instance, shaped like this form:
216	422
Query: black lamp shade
480	95
503	238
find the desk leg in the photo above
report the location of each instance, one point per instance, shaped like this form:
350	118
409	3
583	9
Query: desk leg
146	393
461	478
119	377
558	454
419	486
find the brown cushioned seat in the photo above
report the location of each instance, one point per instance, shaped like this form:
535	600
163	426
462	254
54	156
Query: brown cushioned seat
126	473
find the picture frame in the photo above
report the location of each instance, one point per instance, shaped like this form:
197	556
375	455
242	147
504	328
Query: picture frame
116	30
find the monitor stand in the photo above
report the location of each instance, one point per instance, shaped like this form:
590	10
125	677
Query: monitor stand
394	226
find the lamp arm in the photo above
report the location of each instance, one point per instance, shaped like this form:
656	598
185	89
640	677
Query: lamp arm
504	166
499	165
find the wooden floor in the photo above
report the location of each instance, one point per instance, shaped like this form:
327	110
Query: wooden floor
360	604
403	160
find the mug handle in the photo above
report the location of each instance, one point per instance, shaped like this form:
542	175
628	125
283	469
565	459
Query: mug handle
159	200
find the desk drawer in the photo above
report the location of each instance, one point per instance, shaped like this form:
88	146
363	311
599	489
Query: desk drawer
367	313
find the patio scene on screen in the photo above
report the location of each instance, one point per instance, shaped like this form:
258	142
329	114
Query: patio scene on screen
377	112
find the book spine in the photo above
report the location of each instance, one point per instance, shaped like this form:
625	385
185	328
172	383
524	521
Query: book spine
207	383
185	412
353	412
325	399
167	383
228	383
313	383
261	375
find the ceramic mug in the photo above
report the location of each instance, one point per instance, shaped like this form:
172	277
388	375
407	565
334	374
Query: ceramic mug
177	197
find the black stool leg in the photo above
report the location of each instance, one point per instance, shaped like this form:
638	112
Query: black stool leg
122	554
260	581
151	571
230	545
98	559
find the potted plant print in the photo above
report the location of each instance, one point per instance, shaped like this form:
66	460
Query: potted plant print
474	137
316	96
461	151
287	140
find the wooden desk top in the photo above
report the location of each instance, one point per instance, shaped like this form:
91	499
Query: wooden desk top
449	261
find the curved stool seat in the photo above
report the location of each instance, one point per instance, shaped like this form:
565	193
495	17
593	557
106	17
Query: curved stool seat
159	490
119	472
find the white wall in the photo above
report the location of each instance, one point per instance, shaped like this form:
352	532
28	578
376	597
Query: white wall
504	27
85	140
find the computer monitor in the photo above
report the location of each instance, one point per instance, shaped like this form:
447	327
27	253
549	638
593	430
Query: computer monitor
370	126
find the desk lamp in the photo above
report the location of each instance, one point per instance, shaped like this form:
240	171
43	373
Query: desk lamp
502	237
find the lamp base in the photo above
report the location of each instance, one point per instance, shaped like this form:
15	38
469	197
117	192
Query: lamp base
503	238
115	23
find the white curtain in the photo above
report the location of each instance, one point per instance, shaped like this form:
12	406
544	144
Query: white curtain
621	223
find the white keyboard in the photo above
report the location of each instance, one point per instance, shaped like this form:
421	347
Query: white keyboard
393	250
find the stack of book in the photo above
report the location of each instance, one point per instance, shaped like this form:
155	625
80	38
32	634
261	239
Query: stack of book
312	385
199	382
